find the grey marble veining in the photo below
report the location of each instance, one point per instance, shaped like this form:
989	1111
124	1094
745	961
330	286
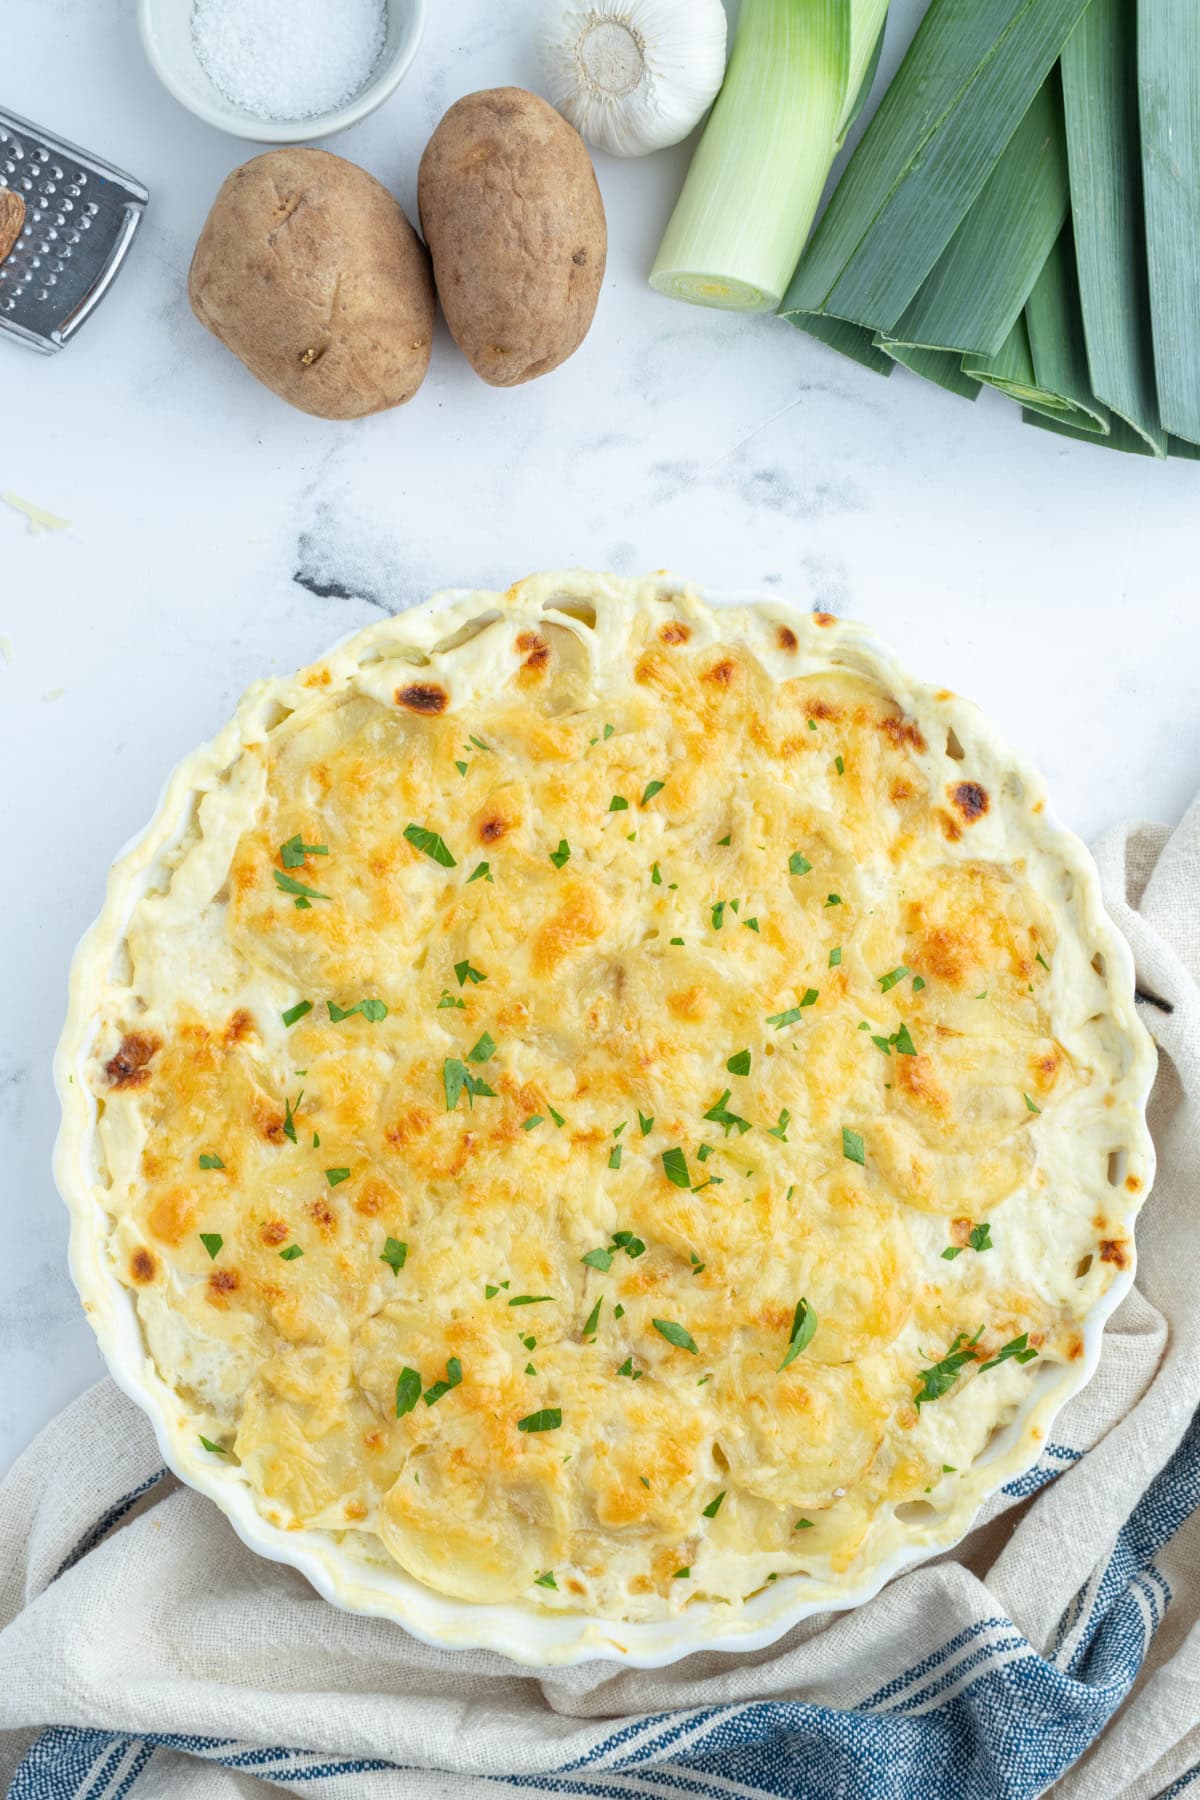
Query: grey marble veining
217	536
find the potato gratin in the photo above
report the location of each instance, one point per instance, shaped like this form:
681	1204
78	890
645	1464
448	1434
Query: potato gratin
606	1101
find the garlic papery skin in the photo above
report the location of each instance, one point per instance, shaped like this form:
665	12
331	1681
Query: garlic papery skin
634	75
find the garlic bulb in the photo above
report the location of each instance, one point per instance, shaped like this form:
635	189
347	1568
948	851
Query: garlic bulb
634	75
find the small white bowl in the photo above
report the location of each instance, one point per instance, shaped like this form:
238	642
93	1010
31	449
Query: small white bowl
166	32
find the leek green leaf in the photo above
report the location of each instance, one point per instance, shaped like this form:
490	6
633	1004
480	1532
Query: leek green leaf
1168	62
1099	76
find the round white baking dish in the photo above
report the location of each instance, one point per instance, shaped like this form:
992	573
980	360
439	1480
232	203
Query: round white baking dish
341	1565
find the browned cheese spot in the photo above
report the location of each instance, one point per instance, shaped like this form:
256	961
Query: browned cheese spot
971	800
1133	1184
535	650
240	1026
222	1283
323	1217
901	731
274	1232
493	828
142	1266
1115	1251
420	697
130	1066
723	673
951	828
674	632
825	618
786	638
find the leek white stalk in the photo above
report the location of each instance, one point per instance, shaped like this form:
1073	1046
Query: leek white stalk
633	75
757	177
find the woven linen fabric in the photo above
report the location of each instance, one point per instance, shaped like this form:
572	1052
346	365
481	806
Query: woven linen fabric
145	1652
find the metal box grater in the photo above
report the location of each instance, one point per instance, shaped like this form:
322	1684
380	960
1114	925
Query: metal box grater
80	220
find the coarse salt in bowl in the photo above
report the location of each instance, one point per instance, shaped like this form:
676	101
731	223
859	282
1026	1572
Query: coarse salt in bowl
281	71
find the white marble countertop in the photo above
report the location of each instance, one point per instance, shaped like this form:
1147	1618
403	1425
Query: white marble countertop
215	536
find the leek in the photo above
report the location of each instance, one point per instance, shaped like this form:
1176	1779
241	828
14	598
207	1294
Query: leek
975	293
969	78
1056	339
795	78
939	366
1168	60
1100	94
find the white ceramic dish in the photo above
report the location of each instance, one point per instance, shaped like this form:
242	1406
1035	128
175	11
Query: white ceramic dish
166	32
339	1566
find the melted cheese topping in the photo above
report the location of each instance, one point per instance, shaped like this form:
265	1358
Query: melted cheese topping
728	990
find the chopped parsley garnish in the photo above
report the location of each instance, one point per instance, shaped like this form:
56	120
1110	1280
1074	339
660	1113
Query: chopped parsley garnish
720	1114
440	1389
547	1580
1032	1105
718	914
704	1152
529	1299
288	884
727	839
618	803
212	1241
626	1241
529	1369
374	1010
675	1334
395	1255
750	924
902	1039
479	743
656	875
448	999
852	1147
210	1160
798	863
804	1325
951	1251
803	1525
940	1377
646	1121
556	1116
792	1015
1040	958
562	855
780	1130
335	1176
457	1078
628	1369
677	940
1018	1348
534	1120
593	1319
739	1064
293	853
888	981
482	1051
430	844
833	900
289	1116
714	1506
217	1449
682	1575
291	1253
464	973
316	1143
618	1311
698	1267
918	983
598	1259
408	1391
839	765
549	1419
614	1157
835	956
608	731
675	1168
296	1012
981	1237
481	872
652	788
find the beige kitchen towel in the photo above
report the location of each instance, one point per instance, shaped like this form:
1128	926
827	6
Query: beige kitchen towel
145	1652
